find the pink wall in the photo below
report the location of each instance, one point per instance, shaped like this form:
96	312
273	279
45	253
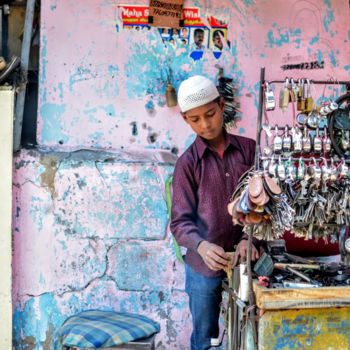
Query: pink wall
91	227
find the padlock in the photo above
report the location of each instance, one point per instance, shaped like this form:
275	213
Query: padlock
313	119
281	170
297	140
277	142
272	168
270	101
343	169
287	140
318	172
301	96
317	142
284	96
326	171
306	141
301	170
294	90
334	175
309	102
327	143
302	118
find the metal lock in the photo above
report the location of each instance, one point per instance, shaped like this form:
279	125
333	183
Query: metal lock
302	118
281	170
277	142
294	91
308	100
326	171
301	96
334	174
301	170
290	169
343	169
313	119
270	101
325	110
272	168
327	143
284	96
287	140
297	140
317	142
333	106
318	172
306	142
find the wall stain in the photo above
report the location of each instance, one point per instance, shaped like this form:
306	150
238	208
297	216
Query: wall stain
46	344
50	163
29	343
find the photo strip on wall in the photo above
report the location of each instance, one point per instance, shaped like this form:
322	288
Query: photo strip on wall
194	34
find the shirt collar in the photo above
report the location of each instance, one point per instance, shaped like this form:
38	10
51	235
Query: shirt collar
202	144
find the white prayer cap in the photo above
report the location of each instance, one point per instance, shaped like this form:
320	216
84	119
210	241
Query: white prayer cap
196	91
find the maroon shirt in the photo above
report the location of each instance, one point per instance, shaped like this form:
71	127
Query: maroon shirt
203	184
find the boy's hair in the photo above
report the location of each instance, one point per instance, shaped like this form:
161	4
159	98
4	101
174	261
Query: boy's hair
195	92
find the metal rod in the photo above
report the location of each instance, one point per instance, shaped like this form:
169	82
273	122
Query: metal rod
318	159
260	112
19	108
327	82
251	296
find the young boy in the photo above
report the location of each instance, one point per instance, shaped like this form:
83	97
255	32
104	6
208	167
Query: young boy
204	179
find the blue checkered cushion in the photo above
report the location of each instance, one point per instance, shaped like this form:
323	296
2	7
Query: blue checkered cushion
103	329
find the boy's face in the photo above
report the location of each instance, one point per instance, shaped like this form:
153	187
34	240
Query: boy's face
207	120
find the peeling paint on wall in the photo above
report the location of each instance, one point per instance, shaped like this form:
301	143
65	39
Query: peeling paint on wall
90	221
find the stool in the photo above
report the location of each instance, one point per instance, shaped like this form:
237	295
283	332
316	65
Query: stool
96	329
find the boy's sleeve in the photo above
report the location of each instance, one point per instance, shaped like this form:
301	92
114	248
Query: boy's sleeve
184	206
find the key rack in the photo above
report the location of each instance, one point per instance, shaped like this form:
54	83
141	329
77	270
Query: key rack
322	176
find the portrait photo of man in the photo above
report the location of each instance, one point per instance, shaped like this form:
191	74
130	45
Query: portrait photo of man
199	39
218	37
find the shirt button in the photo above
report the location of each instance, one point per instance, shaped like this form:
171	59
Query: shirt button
227	174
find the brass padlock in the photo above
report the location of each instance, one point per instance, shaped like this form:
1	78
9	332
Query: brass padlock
308	100
301	96
284	96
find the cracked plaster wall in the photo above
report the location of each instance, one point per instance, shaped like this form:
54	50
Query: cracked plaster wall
89	217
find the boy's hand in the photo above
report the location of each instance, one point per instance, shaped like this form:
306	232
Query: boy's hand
213	255
241	252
